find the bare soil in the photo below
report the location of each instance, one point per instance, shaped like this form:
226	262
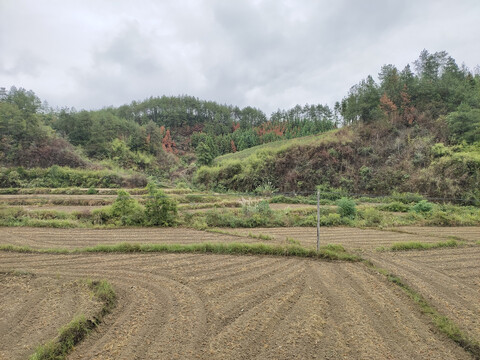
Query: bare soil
193	306
448	278
468	233
350	238
77	238
33	309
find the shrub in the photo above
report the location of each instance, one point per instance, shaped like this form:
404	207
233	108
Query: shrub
266	189
371	217
126	209
263	208
407	198
347	208
159	209
422	207
395	206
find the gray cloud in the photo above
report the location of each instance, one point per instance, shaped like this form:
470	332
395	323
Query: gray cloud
265	53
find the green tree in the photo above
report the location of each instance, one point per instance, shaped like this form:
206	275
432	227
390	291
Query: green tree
126	209
160	210
204	154
464	124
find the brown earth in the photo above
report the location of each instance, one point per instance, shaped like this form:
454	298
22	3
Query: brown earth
77	238
350	238
468	233
33	309
194	306
448	278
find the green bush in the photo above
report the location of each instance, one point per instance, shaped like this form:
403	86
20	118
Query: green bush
395	206
407	198
347	208
371	217
423	207
126	209
159	209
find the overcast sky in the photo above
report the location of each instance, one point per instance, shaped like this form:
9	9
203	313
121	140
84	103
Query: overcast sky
268	54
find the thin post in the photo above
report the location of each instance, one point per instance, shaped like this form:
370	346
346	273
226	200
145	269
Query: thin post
318	220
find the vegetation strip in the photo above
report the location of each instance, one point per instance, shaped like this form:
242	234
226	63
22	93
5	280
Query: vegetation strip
444	324
328	252
75	331
417	245
235	233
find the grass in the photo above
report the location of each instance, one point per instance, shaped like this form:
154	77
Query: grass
328	252
236	233
77	329
417	245
444	324
280	145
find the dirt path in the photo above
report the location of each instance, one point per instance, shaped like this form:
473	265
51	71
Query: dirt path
33	308
191	306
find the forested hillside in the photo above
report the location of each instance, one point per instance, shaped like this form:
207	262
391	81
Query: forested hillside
163	137
413	131
416	129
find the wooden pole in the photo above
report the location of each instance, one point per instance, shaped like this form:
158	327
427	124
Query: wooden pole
318	220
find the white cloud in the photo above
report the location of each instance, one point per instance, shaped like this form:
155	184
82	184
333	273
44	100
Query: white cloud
265	53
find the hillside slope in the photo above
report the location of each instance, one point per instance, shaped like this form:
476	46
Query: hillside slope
376	158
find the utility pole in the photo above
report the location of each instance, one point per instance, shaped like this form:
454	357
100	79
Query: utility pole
318	220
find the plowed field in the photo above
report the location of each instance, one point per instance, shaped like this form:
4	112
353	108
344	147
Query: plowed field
350	238
193	306
33	308
76	238
448	278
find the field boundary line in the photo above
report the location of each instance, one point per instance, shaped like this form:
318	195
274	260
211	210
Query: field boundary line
328	252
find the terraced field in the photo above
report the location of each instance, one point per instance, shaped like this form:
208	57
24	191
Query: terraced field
350	238
193	306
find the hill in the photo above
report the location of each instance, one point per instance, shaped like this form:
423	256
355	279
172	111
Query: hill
415	132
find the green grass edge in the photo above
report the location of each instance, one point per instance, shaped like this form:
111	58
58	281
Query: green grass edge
328	252
417	245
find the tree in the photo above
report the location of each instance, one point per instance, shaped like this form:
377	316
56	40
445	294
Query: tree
159	209
464	124
204	154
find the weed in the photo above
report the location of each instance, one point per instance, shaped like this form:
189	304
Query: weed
292	241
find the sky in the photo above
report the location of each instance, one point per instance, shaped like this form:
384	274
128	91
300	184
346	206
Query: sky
269	54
